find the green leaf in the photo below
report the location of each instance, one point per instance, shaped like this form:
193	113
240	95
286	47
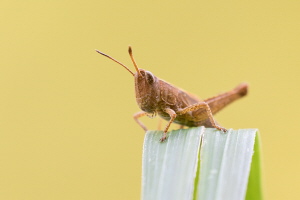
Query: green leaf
225	164
254	191
171	169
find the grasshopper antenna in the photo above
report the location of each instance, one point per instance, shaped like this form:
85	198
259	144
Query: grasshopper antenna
134	63
115	61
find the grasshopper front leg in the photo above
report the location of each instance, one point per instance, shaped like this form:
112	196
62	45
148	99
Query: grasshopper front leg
136	117
171	112
208	111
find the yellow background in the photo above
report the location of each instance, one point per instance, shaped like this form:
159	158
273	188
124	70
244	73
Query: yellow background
66	127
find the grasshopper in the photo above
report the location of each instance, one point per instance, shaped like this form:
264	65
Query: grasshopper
155	96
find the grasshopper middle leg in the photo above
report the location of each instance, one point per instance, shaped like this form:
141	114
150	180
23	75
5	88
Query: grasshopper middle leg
173	116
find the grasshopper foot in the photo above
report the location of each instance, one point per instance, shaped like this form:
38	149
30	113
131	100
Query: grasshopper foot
220	128
163	138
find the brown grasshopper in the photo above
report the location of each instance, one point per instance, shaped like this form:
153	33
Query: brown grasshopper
155	96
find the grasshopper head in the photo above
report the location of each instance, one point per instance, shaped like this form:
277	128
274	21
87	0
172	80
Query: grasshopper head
146	86
147	90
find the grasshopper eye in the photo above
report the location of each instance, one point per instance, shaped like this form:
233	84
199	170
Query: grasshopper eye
150	77
142	73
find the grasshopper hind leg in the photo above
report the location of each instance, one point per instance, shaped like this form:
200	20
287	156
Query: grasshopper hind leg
210	122
216	125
